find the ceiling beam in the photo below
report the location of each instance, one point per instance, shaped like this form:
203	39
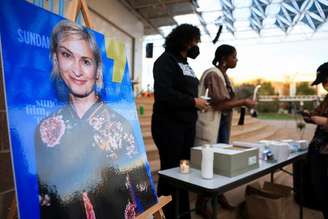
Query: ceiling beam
200	17
141	17
152	4
202	22
167	11
300	15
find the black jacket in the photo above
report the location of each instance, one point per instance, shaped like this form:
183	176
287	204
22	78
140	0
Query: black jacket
320	138
175	87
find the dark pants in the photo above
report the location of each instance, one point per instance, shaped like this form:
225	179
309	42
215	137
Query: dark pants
319	179
173	140
224	129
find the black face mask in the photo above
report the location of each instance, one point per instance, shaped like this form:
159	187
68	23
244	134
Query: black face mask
193	52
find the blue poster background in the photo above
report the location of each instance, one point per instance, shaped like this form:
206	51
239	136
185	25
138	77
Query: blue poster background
30	95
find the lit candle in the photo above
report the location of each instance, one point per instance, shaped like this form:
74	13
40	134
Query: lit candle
255	91
206	92
184	166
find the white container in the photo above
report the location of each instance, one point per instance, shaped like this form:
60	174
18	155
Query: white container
228	160
207	162
304	144
280	151
287	140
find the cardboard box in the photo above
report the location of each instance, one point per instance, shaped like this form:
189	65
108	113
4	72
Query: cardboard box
229	160
268	202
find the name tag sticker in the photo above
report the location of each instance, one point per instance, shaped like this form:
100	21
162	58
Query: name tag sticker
187	70
252	160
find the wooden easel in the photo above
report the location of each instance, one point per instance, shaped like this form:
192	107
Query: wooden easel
73	10
156	210
75	7
12	214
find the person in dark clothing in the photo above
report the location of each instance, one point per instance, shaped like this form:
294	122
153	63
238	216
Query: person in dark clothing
175	107
318	149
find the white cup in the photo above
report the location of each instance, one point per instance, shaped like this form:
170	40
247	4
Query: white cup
280	151
304	144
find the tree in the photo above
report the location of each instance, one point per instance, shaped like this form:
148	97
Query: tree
244	91
304	88
266	89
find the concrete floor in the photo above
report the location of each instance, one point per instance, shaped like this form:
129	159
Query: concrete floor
236	197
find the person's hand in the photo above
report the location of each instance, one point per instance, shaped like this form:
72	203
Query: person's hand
305	113
201	104
44	200
249	103
307	119
319	120
306	116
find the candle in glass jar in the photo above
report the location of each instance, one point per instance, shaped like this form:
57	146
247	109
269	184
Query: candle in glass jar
184	166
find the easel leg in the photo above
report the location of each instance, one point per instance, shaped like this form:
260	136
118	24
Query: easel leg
156	210
159	215
214	205
13	209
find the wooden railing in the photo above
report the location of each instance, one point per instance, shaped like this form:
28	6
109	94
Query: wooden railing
297	98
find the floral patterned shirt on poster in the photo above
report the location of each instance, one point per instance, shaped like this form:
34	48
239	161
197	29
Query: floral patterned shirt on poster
89	167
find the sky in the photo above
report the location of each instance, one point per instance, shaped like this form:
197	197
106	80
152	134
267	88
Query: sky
296	61
285	61
271	55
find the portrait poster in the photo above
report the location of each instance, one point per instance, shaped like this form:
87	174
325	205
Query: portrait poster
76	143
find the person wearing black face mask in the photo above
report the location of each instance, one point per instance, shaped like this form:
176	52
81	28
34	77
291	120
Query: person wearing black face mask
193	52
175	107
